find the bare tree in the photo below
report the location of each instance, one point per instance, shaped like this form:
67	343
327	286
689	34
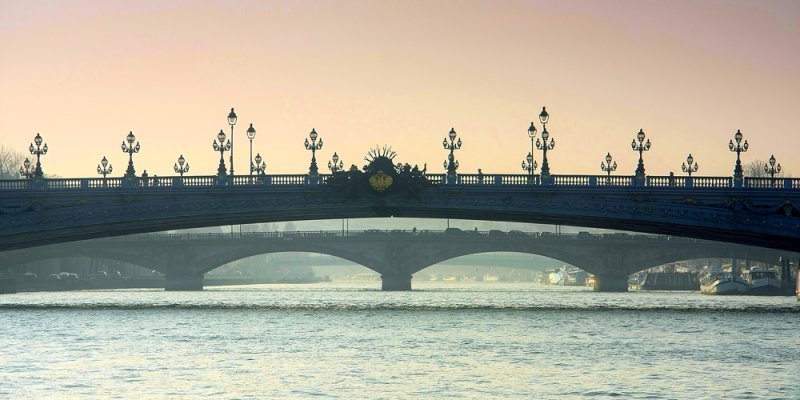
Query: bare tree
755	169
10	161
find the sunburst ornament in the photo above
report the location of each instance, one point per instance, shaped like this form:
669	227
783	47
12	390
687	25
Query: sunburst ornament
380	181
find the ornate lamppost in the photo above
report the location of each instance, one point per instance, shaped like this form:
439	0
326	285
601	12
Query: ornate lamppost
104	168
641	147
251	133
690	165
260	166
544	117
529	166
232	121
451	164
221	146
313	171
739	148
608	167
181	167
335	164
25	169
38	151
130	149
772	169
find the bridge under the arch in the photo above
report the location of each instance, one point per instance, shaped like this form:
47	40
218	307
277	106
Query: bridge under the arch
396	256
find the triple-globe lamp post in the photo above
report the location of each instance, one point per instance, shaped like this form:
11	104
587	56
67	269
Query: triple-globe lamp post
335	164
451	164
608	167
771	168
181	167
641	147
221	146
130	148
38	151
260	166
313	146
690	165
738	148
104	168
25	170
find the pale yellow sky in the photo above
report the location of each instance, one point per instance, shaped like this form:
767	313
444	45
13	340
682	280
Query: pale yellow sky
84	73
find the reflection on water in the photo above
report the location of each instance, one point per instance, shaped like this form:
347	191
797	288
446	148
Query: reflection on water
467	340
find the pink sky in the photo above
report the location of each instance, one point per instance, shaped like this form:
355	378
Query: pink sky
84	73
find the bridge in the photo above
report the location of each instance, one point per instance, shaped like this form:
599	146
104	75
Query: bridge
397	255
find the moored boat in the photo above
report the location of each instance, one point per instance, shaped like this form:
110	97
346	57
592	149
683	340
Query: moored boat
762	282
723	283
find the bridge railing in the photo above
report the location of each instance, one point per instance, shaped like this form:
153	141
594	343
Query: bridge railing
696	182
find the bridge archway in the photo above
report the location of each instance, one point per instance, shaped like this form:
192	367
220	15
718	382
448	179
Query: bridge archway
290	265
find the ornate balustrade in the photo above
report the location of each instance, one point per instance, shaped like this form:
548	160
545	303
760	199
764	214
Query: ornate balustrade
621	181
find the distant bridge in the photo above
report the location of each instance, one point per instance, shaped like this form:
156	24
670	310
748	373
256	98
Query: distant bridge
395	255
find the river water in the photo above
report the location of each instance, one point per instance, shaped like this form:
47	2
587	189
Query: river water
352	341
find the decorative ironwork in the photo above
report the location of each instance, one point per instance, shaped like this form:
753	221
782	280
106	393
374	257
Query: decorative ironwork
313	171
38	151
260	166
690	165
772	169
739	148
26	171
221	146
451	164
641	147
608	167
130	149
104	168
181	166
335	164
544	146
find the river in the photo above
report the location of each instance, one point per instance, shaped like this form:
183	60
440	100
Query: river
442	340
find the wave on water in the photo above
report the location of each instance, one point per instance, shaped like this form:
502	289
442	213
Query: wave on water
717	308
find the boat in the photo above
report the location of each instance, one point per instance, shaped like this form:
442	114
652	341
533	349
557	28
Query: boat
762	282
670	281
723	283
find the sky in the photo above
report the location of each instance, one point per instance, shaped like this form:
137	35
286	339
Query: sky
401	73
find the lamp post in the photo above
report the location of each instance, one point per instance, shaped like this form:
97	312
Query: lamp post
38	151
739	148
544	117
451	164
335	164
231	121
251	133
690	165
104	168
181	166
608	167
641	147
260	166
221	146
25	169
130	149
313	171
529	166
772	169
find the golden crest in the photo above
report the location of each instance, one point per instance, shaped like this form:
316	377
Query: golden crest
380	181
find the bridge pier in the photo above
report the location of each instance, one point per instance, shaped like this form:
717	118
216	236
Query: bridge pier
611	283
396	282
183	282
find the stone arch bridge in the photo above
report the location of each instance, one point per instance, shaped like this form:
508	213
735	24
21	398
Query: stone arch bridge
395	255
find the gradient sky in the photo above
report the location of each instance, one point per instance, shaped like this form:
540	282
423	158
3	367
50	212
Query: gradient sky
401	73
